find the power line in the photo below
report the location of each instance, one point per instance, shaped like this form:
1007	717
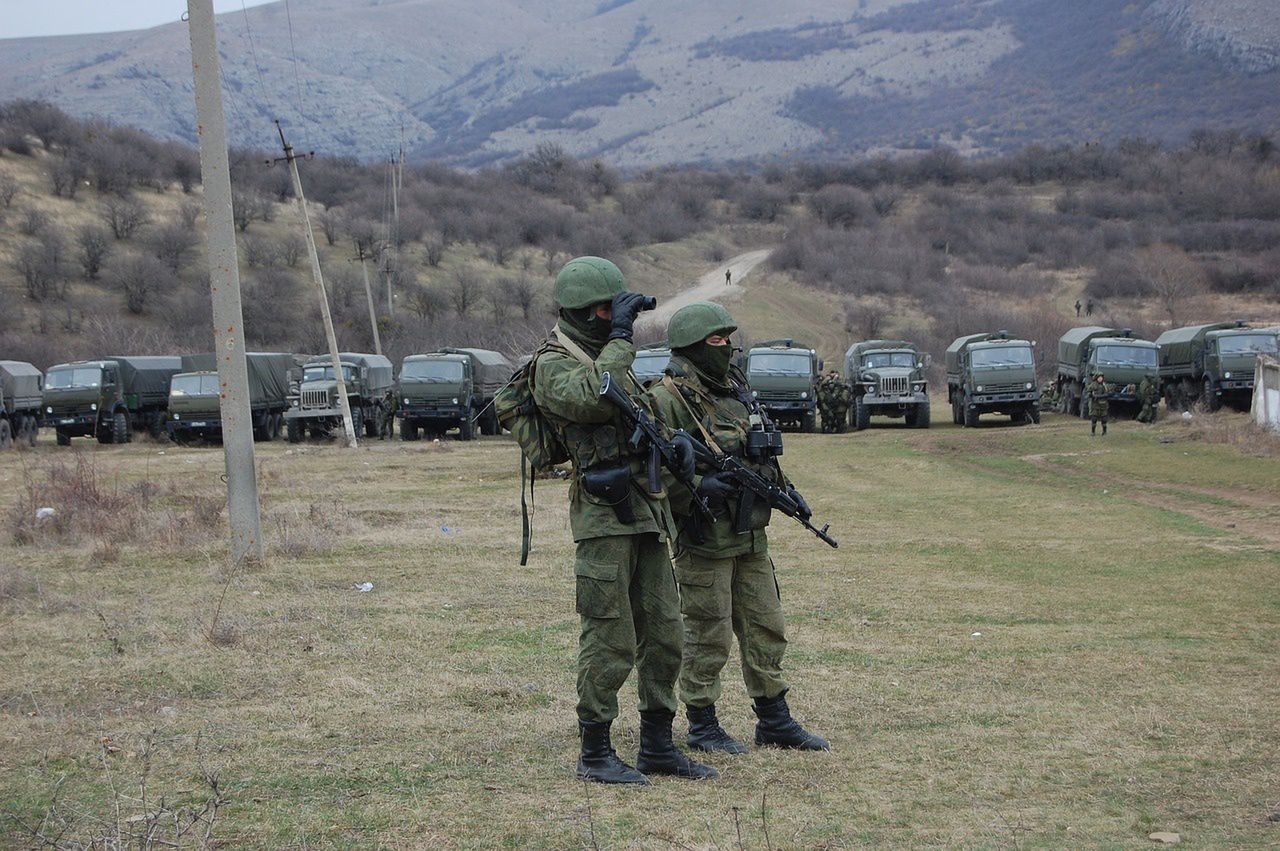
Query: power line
297	78
253	51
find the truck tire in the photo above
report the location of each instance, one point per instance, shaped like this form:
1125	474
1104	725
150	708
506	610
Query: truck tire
293	430
62	438
809	423
33	430
155	425
357	421
922	415
1035	416
277	421
408	430
957	411
120	428
861	415
1212	402
373	424
6	434
467	429
970	417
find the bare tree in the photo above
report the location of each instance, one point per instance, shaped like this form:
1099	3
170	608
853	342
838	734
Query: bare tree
140	278
425	302
464	292
94	245
171	244
290	249
41	266
330	225
124	215
190	213
245	207
363	234
8	189
523	294
434	251
260	252
499	300
1171	275
65	176
32	222
885	198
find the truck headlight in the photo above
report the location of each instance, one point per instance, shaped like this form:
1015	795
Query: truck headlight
49	410
804	394
175	416
455	400
1028	385
978	388
755	394
93	407
1226	375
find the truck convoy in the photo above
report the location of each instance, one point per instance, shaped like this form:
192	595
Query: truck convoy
1122	359
21	386
1211	363
195	408
108	398
784	377
887	379
316	409
650	362
451	388
992	374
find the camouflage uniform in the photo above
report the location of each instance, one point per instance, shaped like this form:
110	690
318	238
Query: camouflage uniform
1149	395
1099	405
1049	399
727	582
833	403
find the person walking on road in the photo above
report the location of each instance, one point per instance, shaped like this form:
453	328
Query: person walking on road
1099	406
728	277
1077	308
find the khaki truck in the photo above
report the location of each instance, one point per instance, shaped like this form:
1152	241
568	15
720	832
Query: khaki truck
108	399
448	389
315	408
990	373
1212	363
1123	360
21	389
886	378
784	378
195	396
650	362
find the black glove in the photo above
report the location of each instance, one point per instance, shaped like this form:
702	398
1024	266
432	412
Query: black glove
805	511
626	307
683	446
719	486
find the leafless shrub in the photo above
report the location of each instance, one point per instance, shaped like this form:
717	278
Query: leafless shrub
259	252
124	215
8	190
464	291
426	303
42	266
32	221
140	278
171	244
245	208
433	252
290	249
189	213
841	205
93	248
1171	275
66	175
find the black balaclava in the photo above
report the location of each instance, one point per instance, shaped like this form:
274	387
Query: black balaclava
711	361
587	329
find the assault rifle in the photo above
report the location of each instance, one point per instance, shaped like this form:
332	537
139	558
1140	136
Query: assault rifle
755	486
662	452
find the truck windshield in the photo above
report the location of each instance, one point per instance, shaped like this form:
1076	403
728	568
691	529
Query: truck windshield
324	372
1245	344
1002	356
650	366
194	385
879	360
1127	355
66	379
432	371
779	364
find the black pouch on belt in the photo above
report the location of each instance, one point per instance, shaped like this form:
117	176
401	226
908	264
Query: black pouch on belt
613	485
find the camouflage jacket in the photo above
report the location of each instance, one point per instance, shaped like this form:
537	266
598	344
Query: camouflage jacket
1096	394
567	392
1149	390
685	400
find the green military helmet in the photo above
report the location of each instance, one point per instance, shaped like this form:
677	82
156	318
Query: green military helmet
696	322
585	281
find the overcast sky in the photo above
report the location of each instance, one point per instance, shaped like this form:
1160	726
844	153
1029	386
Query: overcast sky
20	18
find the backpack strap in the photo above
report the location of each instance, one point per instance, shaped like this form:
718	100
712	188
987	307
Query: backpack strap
670	384
572	348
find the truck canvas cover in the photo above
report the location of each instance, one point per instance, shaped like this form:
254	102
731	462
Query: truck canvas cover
20	385
147	377
380	372
268	373
959	345
1179	346
489	370
853	356
1074	344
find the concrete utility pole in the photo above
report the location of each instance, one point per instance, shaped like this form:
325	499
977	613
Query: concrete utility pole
343	402
243	509
393	238
368	294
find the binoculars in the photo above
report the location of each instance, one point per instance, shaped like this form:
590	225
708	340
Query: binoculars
649	303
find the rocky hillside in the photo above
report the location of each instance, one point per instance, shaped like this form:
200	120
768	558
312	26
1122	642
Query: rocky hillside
642	82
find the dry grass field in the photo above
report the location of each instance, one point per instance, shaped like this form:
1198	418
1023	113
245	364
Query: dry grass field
1028	638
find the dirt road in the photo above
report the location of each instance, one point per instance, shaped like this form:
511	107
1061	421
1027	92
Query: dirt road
711	286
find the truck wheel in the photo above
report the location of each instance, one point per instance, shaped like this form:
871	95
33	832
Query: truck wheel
6	434
467	430
33	430
357	421
408	430
120	428
373	424
293	430
277	420
957	411
861	415
62	437
922	415
970	417
268	427
1035	416
155	426
809	422
1211	400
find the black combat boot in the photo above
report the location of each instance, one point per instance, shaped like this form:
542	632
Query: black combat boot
776	726
599	761
658	754
706	734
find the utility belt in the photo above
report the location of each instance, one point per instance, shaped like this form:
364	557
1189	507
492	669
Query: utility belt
611	482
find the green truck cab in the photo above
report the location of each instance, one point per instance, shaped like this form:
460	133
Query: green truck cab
108	398
451	388
1123	360
21	389
1212	363
887	379
316	409
195	396
990	373
784	378
650	363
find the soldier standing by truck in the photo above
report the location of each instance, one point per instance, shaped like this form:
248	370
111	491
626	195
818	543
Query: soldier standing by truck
1099	406
727	582
1149	395
626	592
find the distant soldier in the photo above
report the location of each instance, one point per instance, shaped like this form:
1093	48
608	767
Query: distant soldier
728	277
827	402
1049	398
1099	405
388	415
1088	308
1149	395
841	398
1077	307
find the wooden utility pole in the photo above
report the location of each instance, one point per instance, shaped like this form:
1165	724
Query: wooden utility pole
368	294
243	507
343	402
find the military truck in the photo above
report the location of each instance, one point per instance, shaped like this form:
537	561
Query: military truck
195	395
315	408
21	386
990	373
886	378
451	388
1123	360
650	362
108	398
784	377
1211	363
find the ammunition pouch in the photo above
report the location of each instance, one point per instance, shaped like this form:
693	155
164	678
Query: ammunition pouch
612	484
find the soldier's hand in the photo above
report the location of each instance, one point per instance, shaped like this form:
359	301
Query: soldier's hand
805	511
626	307
683	447
717	486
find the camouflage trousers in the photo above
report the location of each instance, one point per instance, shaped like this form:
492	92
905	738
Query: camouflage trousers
630	616
721	598
1148	413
